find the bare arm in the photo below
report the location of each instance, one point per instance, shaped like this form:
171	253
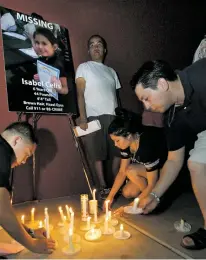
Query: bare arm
120	178
10	223
64	87
81	83
170	171
152	178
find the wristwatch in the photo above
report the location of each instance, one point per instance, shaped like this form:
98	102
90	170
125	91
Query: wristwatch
30	231
155	196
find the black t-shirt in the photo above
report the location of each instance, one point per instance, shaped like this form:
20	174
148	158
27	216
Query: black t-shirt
152	151
6	157
183	123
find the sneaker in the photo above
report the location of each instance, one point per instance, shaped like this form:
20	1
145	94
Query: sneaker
104	193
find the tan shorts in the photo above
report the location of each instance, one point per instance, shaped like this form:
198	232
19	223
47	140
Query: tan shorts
198	153
99	145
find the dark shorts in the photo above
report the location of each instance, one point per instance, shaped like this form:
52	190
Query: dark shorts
99	145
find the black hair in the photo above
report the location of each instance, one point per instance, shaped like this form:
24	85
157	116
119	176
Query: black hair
101	38
125	123
46	33
24	129
150	72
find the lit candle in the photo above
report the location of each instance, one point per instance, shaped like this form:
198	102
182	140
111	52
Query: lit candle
93	193
110	215
22	219
70	239
136	201
92	233
40	224
107	207
88	222
32	214
106	225
68	214
95	215
45	211
47	226
61	214
121	230
84	205
72	219
182	223
65	218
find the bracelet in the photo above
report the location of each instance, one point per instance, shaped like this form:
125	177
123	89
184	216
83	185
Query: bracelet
155	196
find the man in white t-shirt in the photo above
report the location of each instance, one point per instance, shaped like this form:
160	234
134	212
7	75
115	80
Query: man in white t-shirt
97	86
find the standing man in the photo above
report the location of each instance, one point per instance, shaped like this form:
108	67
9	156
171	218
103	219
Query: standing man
97	86
183	95
17	144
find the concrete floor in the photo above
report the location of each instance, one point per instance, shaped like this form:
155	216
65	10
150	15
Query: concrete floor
138	246
160	227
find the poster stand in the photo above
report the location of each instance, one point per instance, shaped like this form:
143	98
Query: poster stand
86	170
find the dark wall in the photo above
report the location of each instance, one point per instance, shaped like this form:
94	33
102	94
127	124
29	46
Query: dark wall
135	31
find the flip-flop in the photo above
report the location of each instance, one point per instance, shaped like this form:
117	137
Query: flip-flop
199	240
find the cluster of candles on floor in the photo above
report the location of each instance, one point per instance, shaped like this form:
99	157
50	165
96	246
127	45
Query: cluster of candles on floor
89	225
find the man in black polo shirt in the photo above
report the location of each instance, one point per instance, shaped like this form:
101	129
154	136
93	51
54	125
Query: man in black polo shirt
182	95
17	144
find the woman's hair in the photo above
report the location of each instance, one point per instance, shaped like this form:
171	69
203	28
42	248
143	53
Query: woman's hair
125	123
47	34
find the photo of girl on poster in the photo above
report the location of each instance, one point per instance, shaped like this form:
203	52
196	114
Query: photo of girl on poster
38	64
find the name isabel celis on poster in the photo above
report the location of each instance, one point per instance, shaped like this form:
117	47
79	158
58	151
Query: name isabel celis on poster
40	84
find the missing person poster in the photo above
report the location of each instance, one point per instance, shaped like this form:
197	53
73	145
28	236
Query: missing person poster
38	64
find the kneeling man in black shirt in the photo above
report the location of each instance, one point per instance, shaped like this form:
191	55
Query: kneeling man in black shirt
17	144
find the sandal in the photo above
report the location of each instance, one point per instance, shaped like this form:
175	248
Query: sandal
199	240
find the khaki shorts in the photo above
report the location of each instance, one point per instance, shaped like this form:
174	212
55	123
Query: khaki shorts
99	145
198	153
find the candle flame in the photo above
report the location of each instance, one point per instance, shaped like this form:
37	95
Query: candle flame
33	209
88	218
121	227
60	208
137	199
22	218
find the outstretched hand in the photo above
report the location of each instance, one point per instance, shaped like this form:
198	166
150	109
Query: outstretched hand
148	204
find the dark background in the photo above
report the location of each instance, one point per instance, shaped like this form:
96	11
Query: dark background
135	31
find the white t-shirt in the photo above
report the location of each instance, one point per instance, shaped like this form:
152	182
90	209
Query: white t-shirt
100	91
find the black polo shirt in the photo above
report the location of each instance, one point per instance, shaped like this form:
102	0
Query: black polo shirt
188	119
6	158
152	151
